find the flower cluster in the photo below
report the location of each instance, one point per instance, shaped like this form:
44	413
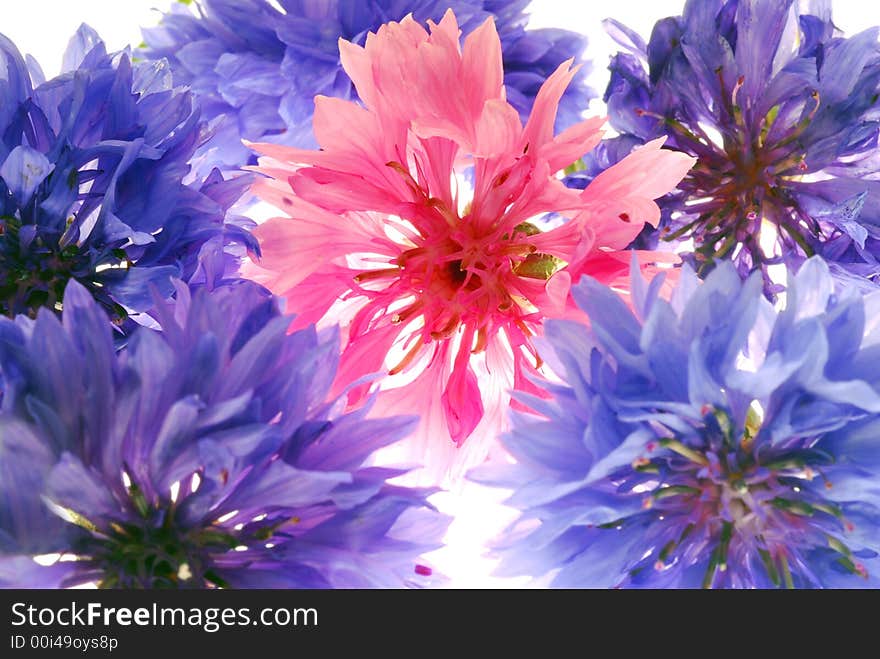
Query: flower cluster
463	277
708	441
439	285
91	184
256	66
781	112
201	456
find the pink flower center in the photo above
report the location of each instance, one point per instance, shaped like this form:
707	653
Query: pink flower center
450	274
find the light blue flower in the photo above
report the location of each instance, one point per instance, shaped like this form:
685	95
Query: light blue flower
781	110
257	66
201	456
709	440
92	170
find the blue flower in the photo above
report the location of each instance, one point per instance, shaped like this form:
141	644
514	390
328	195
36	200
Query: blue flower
780	109
708	441
256	66
201	456
91	171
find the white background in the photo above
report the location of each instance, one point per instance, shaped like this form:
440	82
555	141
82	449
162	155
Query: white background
43	27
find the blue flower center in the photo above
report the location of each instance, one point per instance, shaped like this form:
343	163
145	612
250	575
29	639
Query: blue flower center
34	274
151	547
712	493
740	181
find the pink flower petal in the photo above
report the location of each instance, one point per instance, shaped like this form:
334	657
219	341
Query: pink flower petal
539	129
498	129
483	78
648	172
379	239
462	401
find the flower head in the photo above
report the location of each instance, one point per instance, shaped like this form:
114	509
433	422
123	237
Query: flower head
708	441
443	287
256	66
201	456
91	170
781	112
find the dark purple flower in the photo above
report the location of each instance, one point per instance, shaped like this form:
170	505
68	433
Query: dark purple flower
781	111
257	66
711	440
92	165
201	456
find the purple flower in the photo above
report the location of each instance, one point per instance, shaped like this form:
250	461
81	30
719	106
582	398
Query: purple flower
708	441
256	66
781	111
201	456
92	165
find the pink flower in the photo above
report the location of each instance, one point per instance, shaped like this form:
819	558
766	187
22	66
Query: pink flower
442	289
